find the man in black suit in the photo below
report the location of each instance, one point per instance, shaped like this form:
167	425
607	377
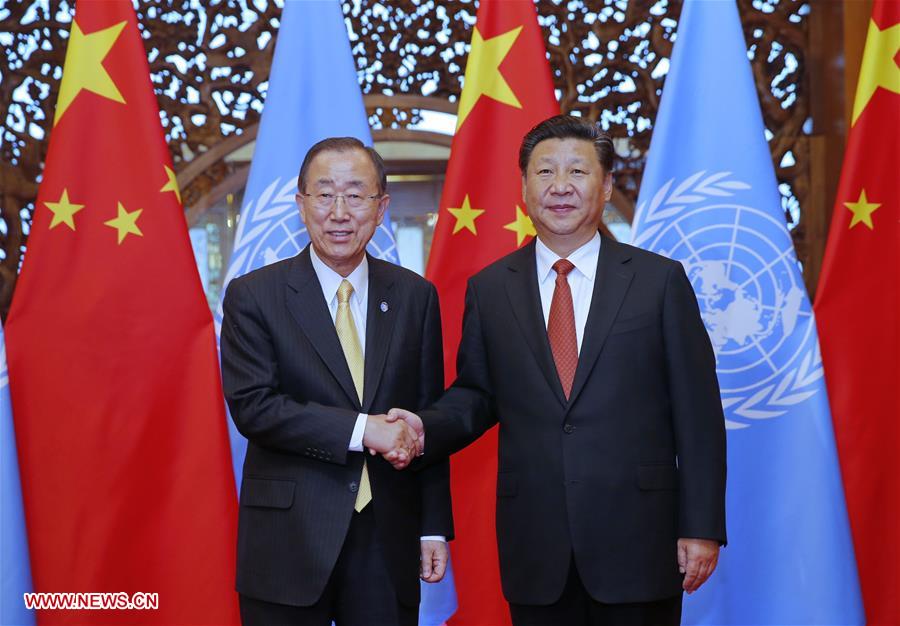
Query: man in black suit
593	358
312	348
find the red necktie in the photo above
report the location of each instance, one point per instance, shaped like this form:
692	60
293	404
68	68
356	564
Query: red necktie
561	327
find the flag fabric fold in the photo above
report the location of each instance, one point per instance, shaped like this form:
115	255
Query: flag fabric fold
857	308
709	199
114	380
507	90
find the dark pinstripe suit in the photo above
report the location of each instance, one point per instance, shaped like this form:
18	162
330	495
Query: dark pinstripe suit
291	394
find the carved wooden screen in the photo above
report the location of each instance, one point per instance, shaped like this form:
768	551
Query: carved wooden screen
209	63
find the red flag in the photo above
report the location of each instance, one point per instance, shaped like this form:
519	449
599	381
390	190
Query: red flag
119	416
858	308
508	89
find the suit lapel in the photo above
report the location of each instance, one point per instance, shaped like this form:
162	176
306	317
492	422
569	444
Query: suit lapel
611	283
382	310
525	300
306	303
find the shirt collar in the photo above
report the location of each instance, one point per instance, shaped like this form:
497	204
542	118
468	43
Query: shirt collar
584	259
331	280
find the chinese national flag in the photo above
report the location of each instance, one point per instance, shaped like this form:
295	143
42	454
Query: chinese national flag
119	416
858	308
508	89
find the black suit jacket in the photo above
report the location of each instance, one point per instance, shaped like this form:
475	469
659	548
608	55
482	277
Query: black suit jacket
291	395
632	461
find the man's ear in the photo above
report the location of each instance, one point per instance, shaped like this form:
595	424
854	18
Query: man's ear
382	207
301	205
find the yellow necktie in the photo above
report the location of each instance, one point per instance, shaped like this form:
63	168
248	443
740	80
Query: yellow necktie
347	335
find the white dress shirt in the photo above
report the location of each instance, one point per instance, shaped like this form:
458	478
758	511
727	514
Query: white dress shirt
581	280
330	281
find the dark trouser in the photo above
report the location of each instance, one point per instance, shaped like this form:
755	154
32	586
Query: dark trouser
576	607
359	593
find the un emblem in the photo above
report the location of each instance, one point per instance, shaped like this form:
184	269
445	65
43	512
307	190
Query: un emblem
269	230
741	263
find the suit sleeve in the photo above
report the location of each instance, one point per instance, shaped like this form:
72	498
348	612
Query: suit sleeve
437	511
467	409
698	421
263	413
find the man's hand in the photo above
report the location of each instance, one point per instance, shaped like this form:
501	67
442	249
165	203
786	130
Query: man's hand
697	558
414	421
395	440
434	560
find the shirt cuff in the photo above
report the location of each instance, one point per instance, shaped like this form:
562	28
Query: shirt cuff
359	430
433	538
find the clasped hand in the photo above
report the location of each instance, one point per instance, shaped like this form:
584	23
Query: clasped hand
399	437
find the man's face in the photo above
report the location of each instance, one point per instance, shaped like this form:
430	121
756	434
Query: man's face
339	232
565	189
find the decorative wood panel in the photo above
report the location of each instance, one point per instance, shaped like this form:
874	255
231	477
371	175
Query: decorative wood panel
210	64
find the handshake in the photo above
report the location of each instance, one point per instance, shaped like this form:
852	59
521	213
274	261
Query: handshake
398	436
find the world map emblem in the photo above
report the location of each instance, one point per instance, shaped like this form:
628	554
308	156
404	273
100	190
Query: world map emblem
741	263
270	230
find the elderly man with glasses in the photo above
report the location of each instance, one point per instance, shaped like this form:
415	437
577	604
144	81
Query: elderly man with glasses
315	350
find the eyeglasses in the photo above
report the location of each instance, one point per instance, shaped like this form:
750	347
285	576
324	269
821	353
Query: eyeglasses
325	201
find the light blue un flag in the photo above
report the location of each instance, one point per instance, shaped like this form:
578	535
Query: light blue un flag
15	567
709	199
313	94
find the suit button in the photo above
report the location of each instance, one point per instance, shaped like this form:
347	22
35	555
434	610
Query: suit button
354	487
568	429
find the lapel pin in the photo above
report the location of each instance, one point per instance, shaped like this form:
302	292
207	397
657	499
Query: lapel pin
384	307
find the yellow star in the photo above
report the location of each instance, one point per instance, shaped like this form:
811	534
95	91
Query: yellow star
483	77
879	67
522	227
126	223
465	216
63	211
862	210
83	69
172	185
